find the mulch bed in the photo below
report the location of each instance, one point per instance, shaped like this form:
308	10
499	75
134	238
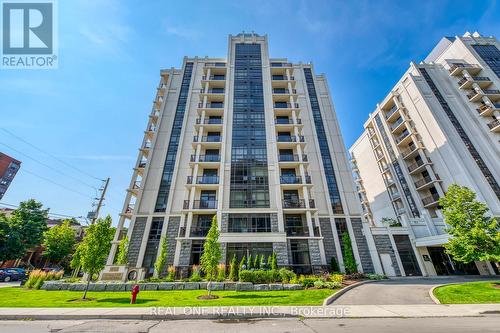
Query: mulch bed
204	297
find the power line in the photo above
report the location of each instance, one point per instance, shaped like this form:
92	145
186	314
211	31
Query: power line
53	182
50	167
46	153
49	213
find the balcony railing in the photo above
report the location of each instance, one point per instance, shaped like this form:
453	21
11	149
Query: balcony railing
203	180
393	110
199	231
215	64
214	78
295	179
433	198
397	123
298	203
462	65
407	151
282	78
212	91
423	181
412	167
284	91
211	105
402	136
142	164
206	158
297	231
279	121
201	204
493	124
209	121
485	108
491	91
471	94
281	64
211	138
282	138
291	158
286	105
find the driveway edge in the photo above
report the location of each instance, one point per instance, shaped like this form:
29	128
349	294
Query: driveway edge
329	300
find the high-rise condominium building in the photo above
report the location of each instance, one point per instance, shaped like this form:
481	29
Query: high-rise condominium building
8	169
439	125
255	142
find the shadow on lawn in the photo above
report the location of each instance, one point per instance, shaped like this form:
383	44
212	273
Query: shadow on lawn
253	296
125	300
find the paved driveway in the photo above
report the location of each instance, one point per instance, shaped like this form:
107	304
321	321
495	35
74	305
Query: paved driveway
10	284
397	291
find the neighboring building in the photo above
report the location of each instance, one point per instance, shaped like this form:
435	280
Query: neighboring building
254	141
8	169
438	126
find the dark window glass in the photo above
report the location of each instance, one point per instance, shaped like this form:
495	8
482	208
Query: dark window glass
200	225
490	55
246	249
323	144
173	145
196	252
249	223
249	176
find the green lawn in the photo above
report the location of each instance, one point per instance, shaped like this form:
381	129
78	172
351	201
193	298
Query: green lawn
20	297
469	293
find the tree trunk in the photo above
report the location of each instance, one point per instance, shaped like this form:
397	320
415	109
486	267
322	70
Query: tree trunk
86	287
209	286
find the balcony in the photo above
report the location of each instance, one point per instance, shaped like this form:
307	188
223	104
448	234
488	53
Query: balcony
203	180
199	231
487	110
417	166
296	231
211	141
284	158
494	125
286	105
134	189
205	159
398	126
477	95
492	94
290	180
431	200
392	113
211	106
403	138
281	121
290	139
400	211
283	91
467	82
410	151
213	78
294	204
426	182
215	64
201	204
458	68
129	210
282	78
395	195
281	64
379	155
209	123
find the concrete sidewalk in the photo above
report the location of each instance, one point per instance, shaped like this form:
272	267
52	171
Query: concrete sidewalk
240	312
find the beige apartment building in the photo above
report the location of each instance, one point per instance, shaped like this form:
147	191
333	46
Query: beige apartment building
439	125
254	141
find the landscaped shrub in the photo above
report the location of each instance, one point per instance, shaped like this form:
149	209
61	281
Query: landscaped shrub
355	276
376	276
274	261
243	264
337	278
38	277
171	274
260	276
334	266
221	273
349	261
246	275
308	281
249	262
195	274
320	284
263	264
286	275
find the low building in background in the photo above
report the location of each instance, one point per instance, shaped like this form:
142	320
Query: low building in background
8	169
439	125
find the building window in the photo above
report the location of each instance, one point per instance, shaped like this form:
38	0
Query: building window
246	249
301	262
331	181
201	226
168	168
249	177
490	55
296	225
196	252
249	223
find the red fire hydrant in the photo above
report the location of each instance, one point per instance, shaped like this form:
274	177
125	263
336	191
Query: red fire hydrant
135	291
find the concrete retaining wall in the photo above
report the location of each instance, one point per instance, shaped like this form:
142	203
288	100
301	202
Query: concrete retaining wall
232	286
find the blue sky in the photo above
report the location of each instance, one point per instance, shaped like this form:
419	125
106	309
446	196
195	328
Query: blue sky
92	111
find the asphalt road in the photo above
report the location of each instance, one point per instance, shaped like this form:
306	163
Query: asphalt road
382	325
397	291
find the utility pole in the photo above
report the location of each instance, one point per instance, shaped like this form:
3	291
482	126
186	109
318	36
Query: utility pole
94	215
101	200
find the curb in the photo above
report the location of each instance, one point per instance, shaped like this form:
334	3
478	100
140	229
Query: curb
342	291
431	293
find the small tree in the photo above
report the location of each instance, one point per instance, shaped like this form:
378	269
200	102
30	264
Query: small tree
92	252
250	261
233	269
59	242
11	245
262	262
211	254
475	234
161	261
274	261
122	257
349	261
243	264
334	266
256	262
